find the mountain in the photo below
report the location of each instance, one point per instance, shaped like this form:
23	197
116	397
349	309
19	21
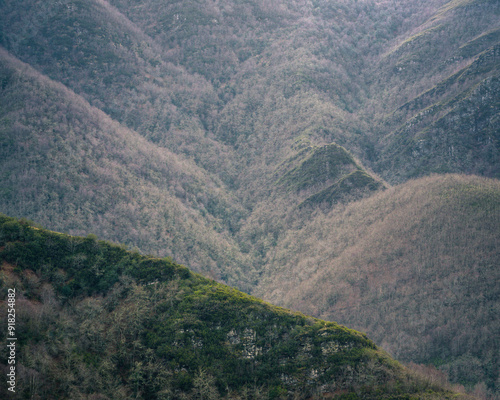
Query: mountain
415	266
69	165
227	133
93	320
444	116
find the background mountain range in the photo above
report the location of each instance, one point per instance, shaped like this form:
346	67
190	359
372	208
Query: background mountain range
340	158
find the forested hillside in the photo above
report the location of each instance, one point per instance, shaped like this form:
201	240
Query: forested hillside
443	115
96	321
69	165
234	136
416	267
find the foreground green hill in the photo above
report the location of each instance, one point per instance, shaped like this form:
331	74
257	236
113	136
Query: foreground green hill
416	267
93	320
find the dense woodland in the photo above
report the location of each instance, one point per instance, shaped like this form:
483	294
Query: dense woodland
340	158
398	257
94	321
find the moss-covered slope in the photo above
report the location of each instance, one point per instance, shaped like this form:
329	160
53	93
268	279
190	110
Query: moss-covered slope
96	321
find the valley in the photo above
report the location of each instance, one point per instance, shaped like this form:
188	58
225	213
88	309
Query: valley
336	158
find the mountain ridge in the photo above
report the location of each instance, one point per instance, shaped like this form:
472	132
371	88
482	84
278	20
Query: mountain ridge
229	108
407	265
130	325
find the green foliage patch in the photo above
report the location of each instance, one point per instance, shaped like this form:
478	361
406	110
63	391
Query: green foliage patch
150	328
322	164
348	188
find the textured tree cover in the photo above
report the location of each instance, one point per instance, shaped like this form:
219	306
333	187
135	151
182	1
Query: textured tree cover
218	133
96	320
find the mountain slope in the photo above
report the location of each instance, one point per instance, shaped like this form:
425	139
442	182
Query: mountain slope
71	167
416	267
441	95
95	320
221	132
98	53
395	83
128	76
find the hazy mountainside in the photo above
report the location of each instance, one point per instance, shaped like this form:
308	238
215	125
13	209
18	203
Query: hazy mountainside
96	321
243	87
99	54
69	165
439	92
124	72
231	134
416	267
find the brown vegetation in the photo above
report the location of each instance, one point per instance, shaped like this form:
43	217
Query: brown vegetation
415	267
232	135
